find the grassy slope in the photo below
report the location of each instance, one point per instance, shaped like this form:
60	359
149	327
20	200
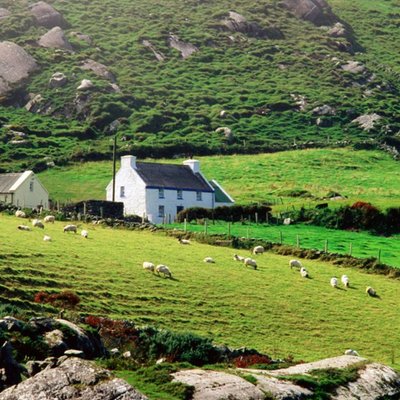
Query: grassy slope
272	309
361	175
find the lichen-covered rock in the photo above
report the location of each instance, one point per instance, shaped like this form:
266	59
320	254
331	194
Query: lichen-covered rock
47	16
98	69
4	13
318	12
354	67
55	39
159	56
367	121
58	79
282	390
186	49
338	30
86	84
324	110
11	323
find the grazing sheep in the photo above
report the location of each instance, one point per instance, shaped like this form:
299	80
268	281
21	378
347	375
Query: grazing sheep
295	264
258	250
303	272
184	241
49	219
84	233
238	258
351	352
370	291
148	266
70	228
209	260
164	270
47	238
24	228
20	214
345	280
334	282
250	262
37	223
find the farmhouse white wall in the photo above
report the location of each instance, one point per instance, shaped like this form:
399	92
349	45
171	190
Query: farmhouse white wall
25	198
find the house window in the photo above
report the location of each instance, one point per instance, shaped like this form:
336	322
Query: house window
161	211
179	209
198	196
122	191
160	193
179	194
31	186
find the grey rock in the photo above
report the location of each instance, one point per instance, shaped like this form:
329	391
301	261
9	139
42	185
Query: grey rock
4	13
35	103
58	79
282	390
324	110
55	39
228	134
86	84
338	30
11	323
10	370
98	69
212	385
74	353
159	56
34	367
73	379
318	12
186	49
55	340
367	121
42	324
354	67
46	15
82	37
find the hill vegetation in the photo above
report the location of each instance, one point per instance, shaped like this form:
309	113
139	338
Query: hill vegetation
268	78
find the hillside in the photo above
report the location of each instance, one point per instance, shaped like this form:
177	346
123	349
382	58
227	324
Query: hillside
166	75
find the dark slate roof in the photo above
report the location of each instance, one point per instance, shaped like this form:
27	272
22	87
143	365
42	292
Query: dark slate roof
171	176
220	196
7	180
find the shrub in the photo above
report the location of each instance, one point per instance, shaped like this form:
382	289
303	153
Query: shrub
65	299
248	360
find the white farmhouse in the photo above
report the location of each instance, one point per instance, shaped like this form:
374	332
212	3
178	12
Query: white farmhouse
23	190
159	191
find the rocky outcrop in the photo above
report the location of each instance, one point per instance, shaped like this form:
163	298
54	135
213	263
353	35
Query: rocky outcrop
186	49
367	121
338	30
354	67
4	13
45	15
55	39
82	37
158	55
282	390
318	12
324	110
98	69
10	370
15	66
58	79
73	379
35	103
86	84
236	22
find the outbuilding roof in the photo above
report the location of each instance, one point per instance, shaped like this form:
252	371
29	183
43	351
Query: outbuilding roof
8	180
171	176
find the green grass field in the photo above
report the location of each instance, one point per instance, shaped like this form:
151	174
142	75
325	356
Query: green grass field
272	309
360	175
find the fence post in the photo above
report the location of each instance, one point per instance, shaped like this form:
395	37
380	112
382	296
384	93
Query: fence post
256	217
58	205
229	230
84	209
169	219
206	227
379	255
101	212
326	246
267	218
143	218
247	234
351	249
280	237
297	241
185	225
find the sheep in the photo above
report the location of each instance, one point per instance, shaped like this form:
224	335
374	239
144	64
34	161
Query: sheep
184	241
238	258
258	250
49	219
70	228
84	233
20	214
351	352
37	223
148	266
209	260
250	262
295	264
164	270
334	282
23	228
47	238
370	291
345	280
303	272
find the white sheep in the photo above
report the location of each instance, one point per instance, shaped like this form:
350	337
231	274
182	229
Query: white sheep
184	241
334	282
258	250
351	352
20	214
238	258
303	272
37	223
49	219
345	280
23	228
209	260
84	233
164	270
70	228
295	264
250	262
370	291
148	266
47	238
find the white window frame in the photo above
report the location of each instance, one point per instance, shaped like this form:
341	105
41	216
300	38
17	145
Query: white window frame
31	186
179	194
161	211
199	196
161	194
122	191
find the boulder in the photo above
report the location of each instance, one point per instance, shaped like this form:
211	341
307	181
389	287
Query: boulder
324	110
73	379
282	390
4	13
35	103
186	49
47	16
98	69
55	39
15	66
354	67
338	30
11	323
367	121
318	12
55	340
228	134
86	84
82	37
10	370
58	79
158	55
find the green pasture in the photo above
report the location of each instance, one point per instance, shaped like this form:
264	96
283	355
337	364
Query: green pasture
358	244
360	175
272	309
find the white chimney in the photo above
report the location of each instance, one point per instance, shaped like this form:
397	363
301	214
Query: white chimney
128	162
193	164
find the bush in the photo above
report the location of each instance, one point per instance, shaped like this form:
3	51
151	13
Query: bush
65	299
249	360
